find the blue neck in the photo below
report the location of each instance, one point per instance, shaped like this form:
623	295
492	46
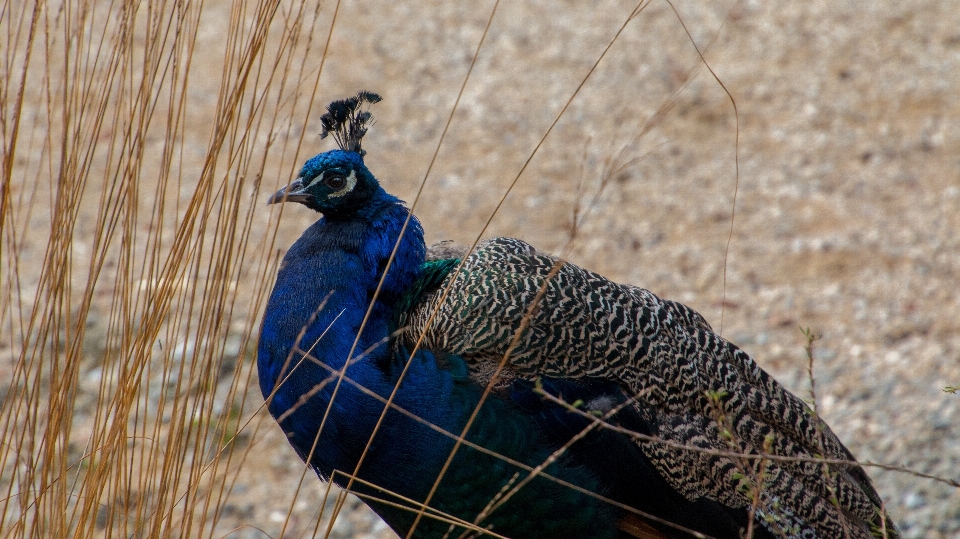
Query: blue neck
324	288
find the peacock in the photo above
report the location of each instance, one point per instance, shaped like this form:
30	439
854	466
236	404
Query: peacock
503	392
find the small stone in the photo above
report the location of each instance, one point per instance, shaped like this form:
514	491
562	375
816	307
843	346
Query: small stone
823	354
231	348
914	500
342	527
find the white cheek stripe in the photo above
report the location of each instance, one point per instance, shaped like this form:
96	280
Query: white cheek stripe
351	183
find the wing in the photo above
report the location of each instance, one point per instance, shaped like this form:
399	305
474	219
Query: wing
696	389
619	464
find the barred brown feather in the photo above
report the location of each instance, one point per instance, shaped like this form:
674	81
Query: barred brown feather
690	384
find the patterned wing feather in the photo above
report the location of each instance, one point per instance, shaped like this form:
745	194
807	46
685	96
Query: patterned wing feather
700	391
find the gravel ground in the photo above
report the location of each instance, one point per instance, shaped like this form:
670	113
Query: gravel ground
847	197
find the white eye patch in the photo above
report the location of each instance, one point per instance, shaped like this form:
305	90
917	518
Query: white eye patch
351	183
317	179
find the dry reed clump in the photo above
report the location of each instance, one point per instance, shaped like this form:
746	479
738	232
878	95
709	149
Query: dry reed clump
136	249
131	327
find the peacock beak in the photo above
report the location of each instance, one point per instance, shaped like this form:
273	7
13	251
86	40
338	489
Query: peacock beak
291	193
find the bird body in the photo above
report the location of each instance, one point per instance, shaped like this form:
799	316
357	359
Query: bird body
594	409
313	317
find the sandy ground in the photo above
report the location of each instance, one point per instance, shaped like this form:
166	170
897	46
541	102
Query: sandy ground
847	192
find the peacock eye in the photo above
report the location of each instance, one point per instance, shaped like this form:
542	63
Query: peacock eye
335	181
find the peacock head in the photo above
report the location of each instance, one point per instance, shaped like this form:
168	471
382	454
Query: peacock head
334	183
337	183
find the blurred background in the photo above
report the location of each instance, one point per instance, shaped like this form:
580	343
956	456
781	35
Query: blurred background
810	178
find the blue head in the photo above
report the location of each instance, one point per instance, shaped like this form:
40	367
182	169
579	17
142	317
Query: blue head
336	184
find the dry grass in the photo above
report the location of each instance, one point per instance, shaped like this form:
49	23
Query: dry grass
132	330
138	144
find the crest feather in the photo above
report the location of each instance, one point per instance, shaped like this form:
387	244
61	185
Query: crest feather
347	122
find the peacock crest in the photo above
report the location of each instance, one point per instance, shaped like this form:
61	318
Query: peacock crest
347	122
